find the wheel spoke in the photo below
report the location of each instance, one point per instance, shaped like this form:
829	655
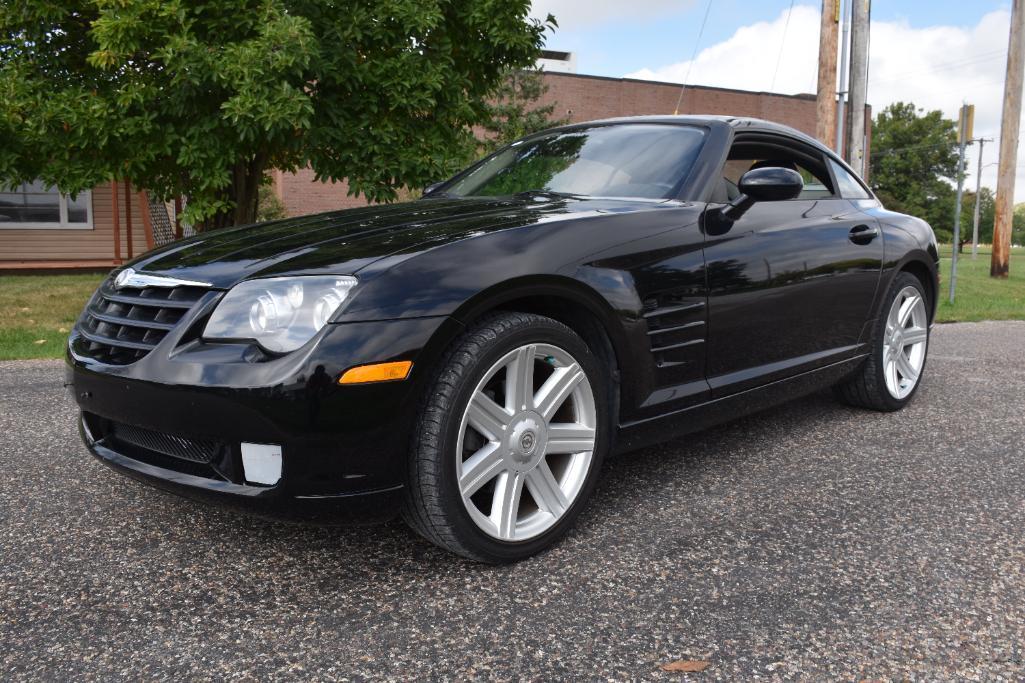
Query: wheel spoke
893	319
905	310
570	438
892	381
506	503
907	370
487	416
519	381
546	490
914	335
557	389
480	468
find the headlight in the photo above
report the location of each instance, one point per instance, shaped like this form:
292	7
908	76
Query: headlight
281	313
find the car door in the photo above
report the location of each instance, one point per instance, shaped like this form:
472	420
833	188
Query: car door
791	283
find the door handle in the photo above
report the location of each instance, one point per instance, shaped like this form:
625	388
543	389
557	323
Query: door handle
863	234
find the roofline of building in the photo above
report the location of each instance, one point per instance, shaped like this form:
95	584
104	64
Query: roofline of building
562	74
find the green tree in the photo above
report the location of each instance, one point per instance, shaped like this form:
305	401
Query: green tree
201	99
914	164
987	213
516	111
1017	225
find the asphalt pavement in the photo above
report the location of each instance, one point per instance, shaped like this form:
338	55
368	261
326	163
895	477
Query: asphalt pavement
812	541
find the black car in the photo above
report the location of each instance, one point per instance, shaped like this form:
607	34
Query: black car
470	358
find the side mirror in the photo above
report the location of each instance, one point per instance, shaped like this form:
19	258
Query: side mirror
769	184
432	187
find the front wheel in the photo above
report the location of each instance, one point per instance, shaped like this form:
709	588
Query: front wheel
510	439
891	374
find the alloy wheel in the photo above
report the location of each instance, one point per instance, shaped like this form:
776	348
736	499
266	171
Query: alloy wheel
904	342
526	442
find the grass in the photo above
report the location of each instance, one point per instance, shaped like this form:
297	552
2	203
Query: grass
37	311
978	296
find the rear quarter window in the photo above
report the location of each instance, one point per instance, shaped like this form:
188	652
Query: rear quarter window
847	184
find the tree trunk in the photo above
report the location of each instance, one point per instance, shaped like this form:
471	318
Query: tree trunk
244	193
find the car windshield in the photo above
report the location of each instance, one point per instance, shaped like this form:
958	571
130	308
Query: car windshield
630	160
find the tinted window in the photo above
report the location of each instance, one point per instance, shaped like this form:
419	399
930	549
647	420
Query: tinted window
634	160
849	187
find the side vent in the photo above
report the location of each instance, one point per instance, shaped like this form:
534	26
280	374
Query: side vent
675	328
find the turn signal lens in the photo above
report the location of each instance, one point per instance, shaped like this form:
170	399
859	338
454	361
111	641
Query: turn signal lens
376	372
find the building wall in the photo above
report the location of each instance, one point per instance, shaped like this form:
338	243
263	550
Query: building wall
301	194
585	98
79	244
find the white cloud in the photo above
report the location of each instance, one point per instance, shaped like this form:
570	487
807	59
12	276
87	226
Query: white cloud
747	60
936	67
577	13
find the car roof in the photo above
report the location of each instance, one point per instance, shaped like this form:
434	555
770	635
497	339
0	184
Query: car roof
736	122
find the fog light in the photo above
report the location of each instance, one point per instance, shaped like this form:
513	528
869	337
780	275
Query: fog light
261	463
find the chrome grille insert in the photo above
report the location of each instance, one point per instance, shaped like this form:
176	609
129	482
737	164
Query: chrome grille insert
120	326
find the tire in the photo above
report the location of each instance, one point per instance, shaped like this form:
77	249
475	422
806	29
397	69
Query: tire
881	383
455	441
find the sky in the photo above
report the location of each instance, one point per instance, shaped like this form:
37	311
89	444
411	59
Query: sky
937	54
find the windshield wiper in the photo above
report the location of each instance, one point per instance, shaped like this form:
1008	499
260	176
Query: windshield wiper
551	194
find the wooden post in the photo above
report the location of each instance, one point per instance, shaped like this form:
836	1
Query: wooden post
147	223
177	218
1000	262
825	100
116	211
128	217
859	84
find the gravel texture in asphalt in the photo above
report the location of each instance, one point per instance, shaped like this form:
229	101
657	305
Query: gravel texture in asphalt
813	541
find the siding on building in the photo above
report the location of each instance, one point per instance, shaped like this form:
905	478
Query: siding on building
78	245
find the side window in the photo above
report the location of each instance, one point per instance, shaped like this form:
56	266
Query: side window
760	150
849	187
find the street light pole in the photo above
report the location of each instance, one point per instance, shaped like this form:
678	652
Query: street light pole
842	82
964	133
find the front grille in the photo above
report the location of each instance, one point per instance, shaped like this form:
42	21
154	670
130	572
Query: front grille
194	450
123	325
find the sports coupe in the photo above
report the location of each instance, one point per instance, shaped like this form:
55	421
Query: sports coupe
469	359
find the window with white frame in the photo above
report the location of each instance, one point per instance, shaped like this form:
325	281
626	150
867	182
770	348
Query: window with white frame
35	205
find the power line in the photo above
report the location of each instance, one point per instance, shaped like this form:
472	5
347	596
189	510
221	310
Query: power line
690	65
782	44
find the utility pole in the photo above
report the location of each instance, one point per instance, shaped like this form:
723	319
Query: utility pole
1000	263
859	84
841	88
975	216
825	99
964	134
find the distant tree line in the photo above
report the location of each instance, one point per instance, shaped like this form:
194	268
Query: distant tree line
913	169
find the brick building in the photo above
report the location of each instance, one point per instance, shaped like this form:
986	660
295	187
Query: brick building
101	237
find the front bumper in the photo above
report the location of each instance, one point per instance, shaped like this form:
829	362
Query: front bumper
343	448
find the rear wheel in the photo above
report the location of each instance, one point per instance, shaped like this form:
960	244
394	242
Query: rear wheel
510	440
891	374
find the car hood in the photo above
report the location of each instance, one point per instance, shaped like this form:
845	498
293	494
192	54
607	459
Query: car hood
343	242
